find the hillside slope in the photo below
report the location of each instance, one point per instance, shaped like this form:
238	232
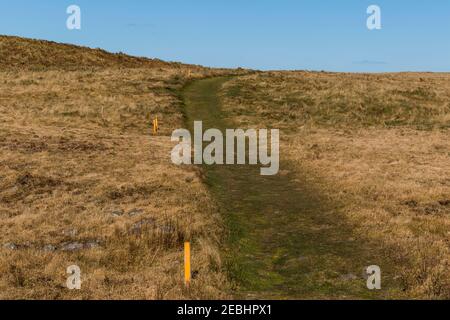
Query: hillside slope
24	53
84	182
376	145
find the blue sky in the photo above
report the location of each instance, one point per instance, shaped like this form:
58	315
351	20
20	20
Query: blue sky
260	34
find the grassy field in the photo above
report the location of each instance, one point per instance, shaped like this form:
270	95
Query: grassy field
83	181
375	145
286	240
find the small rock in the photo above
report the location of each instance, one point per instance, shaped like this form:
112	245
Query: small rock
49	248
136	229
10	246
348	276
73	246
117	213
91	244
135	212
70	232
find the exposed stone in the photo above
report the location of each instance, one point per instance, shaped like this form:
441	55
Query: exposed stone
10	246
117	213
135	212
136	229
348	277
70	232
49	248
75	246
91	244
72	246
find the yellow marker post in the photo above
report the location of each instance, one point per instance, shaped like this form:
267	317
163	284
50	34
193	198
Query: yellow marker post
187	264
155	125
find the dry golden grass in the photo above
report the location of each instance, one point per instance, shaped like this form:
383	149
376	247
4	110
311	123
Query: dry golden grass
289	100
377	144
82	181
44	55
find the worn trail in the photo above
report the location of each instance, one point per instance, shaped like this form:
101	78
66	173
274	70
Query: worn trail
285	241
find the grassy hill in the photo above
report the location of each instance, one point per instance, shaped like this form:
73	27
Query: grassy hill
377	146
31	54
83	180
